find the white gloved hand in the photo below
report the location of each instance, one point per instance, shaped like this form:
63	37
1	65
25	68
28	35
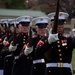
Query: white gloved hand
52	37
73	33
28	50
12	48
4	41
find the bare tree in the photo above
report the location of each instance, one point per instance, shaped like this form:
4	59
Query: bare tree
65	6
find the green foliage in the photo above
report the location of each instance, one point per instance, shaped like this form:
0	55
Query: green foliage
14	4
7	1
73	60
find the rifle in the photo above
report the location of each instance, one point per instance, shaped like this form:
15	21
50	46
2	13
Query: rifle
5	48
14	34
8	40
54	30
7	30
30	37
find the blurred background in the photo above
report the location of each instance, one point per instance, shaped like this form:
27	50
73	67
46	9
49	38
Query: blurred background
46	6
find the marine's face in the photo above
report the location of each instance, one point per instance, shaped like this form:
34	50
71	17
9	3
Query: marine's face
25	29
41	31
12	29
60	28
19	29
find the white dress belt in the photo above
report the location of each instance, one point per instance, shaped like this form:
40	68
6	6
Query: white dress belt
66	65
38	61
9	55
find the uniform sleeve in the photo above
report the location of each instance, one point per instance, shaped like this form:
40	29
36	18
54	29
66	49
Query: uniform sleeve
41	48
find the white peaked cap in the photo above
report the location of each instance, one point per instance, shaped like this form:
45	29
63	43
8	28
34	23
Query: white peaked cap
62	15
13	21
24	19
4	21
40	20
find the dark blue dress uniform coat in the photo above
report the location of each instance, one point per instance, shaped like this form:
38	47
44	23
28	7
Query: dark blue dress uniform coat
9	59
38	66
59	62
2	35
3	49
21	65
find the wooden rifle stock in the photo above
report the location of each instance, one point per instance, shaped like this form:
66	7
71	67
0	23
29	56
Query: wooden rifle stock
54	30
14	37
7	30
5	48
7	33
30	37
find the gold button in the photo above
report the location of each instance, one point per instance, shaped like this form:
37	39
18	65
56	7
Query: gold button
23	42
24	39
63	44
60	59
49	71
59	50
58	41
58	46
60	54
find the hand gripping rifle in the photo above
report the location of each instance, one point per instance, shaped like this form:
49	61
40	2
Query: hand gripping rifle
56	18
6	33
54	29
4	49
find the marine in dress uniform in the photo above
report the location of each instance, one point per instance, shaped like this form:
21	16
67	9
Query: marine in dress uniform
2	35
61	48
38	66
8	61
21	65
3	52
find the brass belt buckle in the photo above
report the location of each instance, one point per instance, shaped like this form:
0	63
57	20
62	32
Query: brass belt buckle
59	64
